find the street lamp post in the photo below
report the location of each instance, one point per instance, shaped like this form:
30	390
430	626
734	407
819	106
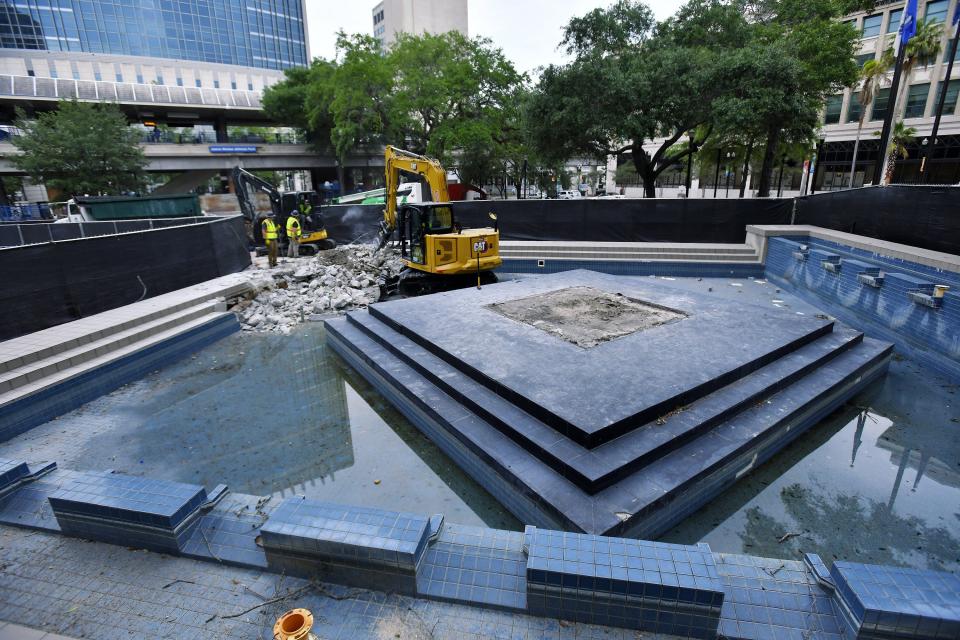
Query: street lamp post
780	178
716	176
730	156
693	149
944	85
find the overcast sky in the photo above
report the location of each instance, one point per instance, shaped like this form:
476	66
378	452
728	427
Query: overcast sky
528	31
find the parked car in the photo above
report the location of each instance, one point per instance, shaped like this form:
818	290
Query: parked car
570	194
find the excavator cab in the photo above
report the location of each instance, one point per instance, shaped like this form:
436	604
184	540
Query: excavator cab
432	242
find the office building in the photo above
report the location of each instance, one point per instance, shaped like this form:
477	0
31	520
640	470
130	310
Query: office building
415	17
878	30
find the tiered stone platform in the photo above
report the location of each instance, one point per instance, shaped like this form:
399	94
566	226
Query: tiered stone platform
605	404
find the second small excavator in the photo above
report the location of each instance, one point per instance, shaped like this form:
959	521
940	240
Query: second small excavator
438	252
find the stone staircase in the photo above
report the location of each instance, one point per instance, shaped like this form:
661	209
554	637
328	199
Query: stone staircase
50	372
637	476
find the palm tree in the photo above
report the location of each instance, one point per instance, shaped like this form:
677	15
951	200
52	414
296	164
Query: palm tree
897	149
925	45
873	76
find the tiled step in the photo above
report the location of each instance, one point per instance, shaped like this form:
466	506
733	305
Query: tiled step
641	502
41	345
641	247
593	470
164	333
664	404
65	359
634	257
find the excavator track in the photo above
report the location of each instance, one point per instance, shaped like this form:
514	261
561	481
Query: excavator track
412	282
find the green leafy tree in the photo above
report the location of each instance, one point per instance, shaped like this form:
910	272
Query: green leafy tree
924	46
453	93
632	82
900	137
873	76
81	148
813	52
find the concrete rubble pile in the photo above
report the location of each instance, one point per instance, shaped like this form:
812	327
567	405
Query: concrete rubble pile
337	280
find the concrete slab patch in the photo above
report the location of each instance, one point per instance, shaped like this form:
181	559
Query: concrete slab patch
586	316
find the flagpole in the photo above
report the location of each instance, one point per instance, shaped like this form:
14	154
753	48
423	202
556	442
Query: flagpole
881	164
908	27
944	87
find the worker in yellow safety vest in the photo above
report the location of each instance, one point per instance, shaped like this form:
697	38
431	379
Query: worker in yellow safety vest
270	230
293	235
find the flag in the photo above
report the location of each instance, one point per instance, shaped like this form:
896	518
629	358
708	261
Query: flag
908	25
956	19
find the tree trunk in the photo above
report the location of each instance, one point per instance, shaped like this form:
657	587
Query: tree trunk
769	159
746	168
856	146
645	170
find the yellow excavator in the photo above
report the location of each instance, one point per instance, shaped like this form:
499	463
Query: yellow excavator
437	251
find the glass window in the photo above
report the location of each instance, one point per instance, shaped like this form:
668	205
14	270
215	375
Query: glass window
439	219
893	25
854	108
880	104
917	100
936	11
864	58
233	85
216	84
199	84
950	104
834	107
871	25
119	77
179	82
946	53
139	78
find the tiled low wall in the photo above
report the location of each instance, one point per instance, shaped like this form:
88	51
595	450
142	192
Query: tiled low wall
890	298
681	590
636	268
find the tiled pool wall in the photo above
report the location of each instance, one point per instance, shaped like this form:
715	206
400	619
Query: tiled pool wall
635	267
888	298
680	590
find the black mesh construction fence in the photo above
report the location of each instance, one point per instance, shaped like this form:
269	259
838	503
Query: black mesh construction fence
629	220
920	216
50	283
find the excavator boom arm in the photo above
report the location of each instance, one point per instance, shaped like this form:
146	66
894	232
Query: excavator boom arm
397	160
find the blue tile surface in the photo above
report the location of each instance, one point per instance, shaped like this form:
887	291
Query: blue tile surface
475	565
635	268
12	471
874	295
654	586
347	534
887	601
128	499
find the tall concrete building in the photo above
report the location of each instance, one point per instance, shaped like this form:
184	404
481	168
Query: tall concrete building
391	17
212	56
878	30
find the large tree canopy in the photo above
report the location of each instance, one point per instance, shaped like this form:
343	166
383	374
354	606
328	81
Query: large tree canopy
632	81
753	69
445	95
81	148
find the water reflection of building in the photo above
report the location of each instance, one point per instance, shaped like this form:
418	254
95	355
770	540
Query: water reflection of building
322	427
920	455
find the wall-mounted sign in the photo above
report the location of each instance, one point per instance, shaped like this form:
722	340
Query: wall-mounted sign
233	148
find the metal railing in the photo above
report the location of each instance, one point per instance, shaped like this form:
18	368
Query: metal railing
100	90
204	137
